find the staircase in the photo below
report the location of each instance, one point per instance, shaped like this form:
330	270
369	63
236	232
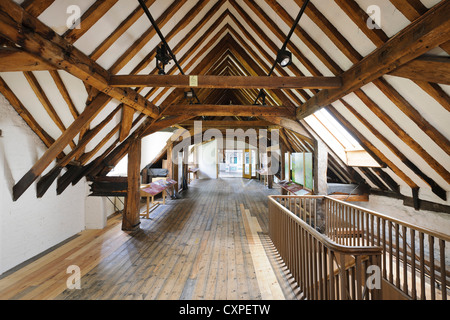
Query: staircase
339	251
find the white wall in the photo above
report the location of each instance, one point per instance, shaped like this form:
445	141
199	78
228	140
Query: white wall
392	207
30	226
151	147
207	160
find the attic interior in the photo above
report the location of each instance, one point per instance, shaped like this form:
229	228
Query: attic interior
237	133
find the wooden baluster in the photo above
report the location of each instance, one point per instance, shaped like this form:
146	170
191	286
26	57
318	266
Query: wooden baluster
405	261
422	266
397	256
302	261
314	268
343	278
331	275
326	282
320	274
366	218
391	262
384	248
337	286
309	267
352	226
372	230
363	230
413	264
331	218
358	279
348	226
443	269
307	211
432	269
341	223
378	231
327	217
315	214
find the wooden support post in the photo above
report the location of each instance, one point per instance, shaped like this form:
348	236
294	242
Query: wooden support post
56	148
170	161
131	218
320	168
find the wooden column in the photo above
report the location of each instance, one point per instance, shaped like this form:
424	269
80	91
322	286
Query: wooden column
131	219
170	161
320	168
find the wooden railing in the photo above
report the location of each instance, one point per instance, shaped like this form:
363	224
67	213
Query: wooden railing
414	261
323	269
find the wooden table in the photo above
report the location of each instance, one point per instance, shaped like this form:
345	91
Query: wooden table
151	190
289	187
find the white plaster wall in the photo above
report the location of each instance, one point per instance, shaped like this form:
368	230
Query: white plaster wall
392	207
434	221
30	226
207	160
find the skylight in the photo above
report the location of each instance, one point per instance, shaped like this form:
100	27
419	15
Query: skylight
340	140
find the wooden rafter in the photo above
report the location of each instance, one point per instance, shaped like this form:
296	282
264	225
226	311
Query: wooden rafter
55	149
425	33
38	39
224	82
228	110
433	69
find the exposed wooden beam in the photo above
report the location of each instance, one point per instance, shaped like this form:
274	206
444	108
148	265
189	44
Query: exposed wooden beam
360	17
126	122
131	218
35	8
378	155
229	110
64	93
425	33
228	123
12	60
36	87
26	116
413	114
292	125
55	149
88	19
119	31
225	82
433	69
36	38
134	49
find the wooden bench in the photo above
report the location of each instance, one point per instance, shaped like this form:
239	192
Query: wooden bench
151	190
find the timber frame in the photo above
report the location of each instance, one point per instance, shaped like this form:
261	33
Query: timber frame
229	57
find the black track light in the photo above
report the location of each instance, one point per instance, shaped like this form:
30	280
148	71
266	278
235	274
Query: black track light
162	58
284	58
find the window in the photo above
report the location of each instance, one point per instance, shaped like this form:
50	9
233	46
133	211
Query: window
340	140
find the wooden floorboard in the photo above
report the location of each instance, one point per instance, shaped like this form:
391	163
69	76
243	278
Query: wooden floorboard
211	244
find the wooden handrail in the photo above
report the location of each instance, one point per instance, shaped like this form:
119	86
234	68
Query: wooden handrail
413	257
339	248
433	233
322	268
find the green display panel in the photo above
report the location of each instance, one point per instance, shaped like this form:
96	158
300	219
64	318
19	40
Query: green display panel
309	181
287	167
298	172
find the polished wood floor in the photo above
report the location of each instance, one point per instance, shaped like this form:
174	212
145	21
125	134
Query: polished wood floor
210	244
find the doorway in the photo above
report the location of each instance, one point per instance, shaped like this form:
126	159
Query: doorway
249	165
232	165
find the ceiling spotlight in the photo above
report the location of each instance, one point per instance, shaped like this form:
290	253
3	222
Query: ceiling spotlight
189	96
284	58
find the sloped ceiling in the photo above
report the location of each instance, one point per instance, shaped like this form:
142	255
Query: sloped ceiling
400	119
